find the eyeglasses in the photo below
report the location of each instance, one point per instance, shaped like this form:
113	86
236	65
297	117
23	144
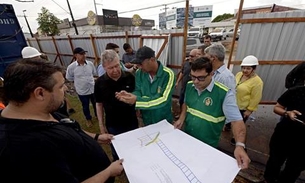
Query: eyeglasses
199	78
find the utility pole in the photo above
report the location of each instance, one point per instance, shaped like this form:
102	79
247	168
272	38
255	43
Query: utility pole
27	23
73	22
165	8
95	7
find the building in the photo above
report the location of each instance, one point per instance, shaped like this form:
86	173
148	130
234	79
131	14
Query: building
98	24
230	23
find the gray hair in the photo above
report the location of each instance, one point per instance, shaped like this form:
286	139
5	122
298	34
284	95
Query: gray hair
109	56
217	50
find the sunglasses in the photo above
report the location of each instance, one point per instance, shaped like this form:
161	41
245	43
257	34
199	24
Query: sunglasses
199	78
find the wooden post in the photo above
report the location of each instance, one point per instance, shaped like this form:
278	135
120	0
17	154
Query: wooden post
186	15
235	31
57	52
126	37
97	58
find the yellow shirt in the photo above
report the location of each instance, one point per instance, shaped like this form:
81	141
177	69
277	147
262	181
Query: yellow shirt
248	92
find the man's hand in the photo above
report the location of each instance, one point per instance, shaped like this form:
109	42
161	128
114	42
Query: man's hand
126	97
241	157
178	124
116	168
128	65
247	113
105	138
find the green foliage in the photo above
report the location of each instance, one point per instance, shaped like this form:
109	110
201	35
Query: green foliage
47	22
222	17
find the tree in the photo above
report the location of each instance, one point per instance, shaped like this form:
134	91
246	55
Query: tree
222	17
48	22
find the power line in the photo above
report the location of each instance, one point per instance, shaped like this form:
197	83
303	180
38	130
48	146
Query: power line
156	6
60	6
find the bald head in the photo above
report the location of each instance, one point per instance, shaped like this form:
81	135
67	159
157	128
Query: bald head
193	55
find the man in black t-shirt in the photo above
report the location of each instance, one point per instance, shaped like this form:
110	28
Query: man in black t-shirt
38	145
119	116
288	139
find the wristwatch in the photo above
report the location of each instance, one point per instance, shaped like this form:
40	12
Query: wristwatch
240	144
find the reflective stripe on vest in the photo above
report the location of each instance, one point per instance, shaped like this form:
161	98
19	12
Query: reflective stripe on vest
205	116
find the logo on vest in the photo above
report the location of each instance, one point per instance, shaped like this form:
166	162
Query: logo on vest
159	89
208	101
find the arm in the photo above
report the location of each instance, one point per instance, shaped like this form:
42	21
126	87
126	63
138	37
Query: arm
232	114
100	117
239	132
112	170
69	74
179	123
179	78
281	110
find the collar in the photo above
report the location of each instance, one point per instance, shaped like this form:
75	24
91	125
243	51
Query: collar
160	69
77	64
209	87
221	69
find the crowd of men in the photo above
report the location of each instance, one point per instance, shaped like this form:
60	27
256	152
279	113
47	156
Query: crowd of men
40	144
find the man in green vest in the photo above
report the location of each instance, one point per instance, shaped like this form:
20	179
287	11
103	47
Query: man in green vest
154	88
207	105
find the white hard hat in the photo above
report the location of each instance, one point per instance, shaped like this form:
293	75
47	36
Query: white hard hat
249	60
30	52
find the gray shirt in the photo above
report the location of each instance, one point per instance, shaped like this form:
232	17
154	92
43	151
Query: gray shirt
128	57
225	76
82	75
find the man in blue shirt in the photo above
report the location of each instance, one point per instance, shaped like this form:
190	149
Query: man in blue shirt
128	56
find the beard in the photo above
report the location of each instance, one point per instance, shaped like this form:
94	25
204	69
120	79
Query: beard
54	105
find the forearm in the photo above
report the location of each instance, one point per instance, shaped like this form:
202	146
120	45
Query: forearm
183	112
179	78
101	177
239	131
100	116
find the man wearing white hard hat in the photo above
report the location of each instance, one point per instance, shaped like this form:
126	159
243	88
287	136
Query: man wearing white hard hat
30	52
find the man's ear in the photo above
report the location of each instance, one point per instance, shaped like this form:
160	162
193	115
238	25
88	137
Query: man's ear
39	93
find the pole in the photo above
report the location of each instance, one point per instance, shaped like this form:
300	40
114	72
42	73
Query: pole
186	15
27	23
235	31
73	22
95	7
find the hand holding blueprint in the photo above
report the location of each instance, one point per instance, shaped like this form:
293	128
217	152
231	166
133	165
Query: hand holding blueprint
160	153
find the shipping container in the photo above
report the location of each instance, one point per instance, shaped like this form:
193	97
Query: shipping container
12	40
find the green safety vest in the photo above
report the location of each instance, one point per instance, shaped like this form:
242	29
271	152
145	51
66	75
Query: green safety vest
205	118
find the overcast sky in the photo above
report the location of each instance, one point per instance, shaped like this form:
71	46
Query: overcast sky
80	8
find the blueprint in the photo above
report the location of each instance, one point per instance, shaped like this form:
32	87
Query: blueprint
159	153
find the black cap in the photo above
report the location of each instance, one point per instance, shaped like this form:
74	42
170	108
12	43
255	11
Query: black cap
142	54
79	50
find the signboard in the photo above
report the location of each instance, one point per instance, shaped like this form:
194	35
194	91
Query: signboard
171	19
162	21
202	16
110	17
181	17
